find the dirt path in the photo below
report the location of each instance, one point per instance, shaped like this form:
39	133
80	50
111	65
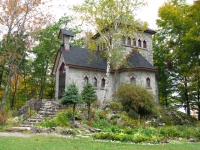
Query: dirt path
15	134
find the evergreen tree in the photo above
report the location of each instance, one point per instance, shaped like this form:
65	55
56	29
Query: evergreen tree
88	96
71	97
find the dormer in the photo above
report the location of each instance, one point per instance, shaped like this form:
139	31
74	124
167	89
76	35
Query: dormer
65	35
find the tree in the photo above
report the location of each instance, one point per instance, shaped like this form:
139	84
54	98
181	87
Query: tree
19	19
111	20
160	53
173	26
71	97
192	43
179	24
88	96
45	53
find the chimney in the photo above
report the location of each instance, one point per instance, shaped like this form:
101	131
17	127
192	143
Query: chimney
65	36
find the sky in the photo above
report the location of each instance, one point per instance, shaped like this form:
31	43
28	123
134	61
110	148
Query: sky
148	13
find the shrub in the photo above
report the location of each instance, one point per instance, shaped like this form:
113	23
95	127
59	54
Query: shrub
3	117
116	106
135	97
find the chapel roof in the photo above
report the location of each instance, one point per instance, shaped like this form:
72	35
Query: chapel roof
65	32
80	58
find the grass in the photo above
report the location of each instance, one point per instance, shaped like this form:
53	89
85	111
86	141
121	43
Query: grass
42	142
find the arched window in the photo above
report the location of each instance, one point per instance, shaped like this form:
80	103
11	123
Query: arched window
133	81
62	69
148	83
123	40
139	43
103	82
95	82
85	80
144	44
129	41
134	42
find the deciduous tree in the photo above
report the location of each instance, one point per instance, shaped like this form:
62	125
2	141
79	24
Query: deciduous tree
18	19
111	20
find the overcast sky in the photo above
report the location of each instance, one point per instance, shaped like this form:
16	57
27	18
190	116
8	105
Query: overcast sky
148	13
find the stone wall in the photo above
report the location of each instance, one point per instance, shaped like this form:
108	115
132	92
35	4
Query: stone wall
77	76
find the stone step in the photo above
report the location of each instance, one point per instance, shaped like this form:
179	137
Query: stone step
49	116
36	120
20	128
46	113
48	109
27	124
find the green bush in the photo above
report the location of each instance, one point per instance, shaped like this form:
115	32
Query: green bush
48	123
116	106
63	119
136	138
136	98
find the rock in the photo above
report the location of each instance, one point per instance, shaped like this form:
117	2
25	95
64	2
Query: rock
79	132
180	139
70	131
98	130
60	130
192	140
16	119
34	129
119	121
92	130
111	116
164	141
105	106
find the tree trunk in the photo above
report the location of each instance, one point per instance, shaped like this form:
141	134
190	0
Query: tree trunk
1	74
198	98
3	101
73	121
166	102
187	98
106	82
115	82
88	111
12	102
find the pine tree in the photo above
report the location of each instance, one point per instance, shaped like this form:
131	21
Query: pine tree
71	97
88	96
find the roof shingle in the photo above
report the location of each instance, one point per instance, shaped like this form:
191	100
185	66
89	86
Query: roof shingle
80	57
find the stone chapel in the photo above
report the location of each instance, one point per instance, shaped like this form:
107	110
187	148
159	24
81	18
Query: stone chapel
71	66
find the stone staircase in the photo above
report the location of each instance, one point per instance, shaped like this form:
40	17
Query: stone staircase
48	109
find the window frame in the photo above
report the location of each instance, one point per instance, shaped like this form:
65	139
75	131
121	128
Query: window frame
86	80
148	82
131	80
139	43
103	83
94	82
144	44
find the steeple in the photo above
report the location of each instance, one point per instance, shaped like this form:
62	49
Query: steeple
65	36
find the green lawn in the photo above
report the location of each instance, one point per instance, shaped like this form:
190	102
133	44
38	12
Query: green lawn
42	142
